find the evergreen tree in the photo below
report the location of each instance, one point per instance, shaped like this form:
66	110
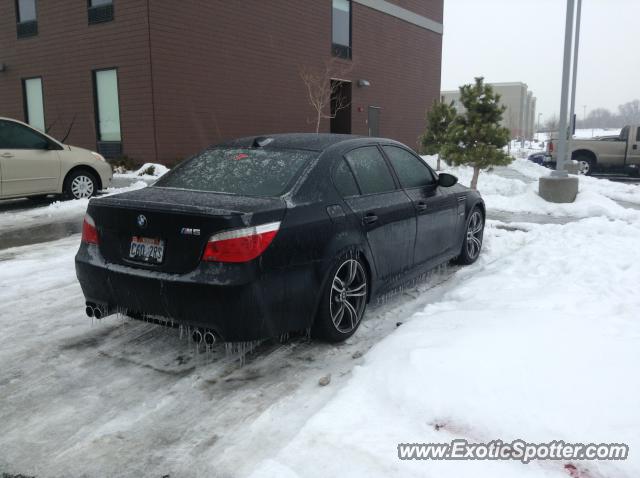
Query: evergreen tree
439	117
476	137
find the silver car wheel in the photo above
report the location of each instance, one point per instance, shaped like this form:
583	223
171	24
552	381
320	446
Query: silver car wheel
82	187
348	296
474	235
584	167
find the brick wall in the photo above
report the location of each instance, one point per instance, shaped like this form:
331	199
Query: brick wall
248	62
220	69
64	53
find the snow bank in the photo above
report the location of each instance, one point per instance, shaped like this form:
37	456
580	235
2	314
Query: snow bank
148	171
596	196
539	343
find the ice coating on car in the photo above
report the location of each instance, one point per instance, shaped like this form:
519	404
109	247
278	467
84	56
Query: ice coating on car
247	172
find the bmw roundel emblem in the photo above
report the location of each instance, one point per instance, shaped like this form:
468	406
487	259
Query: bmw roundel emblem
142	221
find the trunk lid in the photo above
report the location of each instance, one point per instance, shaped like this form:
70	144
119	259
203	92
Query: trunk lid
183	220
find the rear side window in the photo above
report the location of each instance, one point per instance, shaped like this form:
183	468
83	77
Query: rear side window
16	136
246	172
411	171
371	170
624	134
344	181
638	136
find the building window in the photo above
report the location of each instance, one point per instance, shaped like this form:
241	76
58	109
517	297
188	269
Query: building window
33	103
100	11
107	106
342	28
27	18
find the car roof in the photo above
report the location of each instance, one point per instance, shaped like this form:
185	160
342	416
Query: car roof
306	141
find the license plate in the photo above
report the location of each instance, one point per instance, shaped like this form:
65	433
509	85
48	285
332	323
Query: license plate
146	249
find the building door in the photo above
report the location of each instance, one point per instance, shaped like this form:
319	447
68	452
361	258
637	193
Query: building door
374	121
340	107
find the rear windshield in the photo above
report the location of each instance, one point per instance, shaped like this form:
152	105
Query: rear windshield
246	172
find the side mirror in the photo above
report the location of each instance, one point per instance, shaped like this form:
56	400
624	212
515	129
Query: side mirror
446	180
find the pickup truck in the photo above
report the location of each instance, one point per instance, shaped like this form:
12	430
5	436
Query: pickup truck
619	154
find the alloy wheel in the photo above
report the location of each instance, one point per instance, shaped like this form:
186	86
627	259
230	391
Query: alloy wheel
82	187
584	167
474	235
348	296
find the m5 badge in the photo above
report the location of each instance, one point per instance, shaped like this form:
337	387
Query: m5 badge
188	231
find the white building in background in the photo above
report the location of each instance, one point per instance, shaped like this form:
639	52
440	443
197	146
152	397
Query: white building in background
520	114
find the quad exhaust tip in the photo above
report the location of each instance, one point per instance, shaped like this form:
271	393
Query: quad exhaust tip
199	336
96	311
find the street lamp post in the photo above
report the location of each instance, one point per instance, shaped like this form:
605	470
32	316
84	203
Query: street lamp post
575	69
564	97
538	128
559	187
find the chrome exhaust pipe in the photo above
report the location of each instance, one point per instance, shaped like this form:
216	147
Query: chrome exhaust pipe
197	336
97	313
209	338
89	311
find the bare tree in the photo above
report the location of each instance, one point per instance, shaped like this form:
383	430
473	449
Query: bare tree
630	112
323	88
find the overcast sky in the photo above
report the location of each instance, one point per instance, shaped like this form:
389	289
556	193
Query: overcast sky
522	40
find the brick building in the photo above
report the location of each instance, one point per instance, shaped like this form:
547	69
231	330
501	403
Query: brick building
158	80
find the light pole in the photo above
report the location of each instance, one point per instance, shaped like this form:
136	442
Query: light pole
575	69
559	187
538	128
564	96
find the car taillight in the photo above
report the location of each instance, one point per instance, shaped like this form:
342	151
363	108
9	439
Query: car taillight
550	147
89	231
240	245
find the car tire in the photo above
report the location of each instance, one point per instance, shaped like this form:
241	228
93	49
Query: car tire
585	165
344	300
472	240
80	184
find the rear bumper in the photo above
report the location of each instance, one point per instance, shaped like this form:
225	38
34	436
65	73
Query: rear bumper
246	307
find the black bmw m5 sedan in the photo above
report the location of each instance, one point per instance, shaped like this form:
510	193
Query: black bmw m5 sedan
266	235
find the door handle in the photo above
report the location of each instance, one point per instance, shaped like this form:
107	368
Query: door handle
369	218
7	155
421	206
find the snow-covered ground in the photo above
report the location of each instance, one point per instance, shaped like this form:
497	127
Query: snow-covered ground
596	197
539	340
